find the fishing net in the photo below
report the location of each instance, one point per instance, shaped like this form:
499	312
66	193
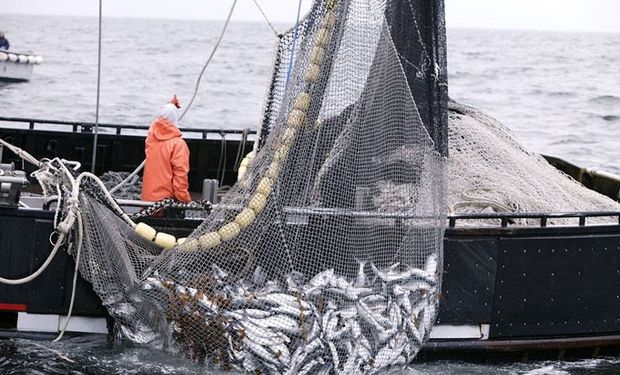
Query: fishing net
491	172
326	255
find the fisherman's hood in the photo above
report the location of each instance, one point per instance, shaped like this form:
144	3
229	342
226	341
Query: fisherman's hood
163	129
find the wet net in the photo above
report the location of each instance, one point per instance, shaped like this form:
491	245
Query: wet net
491	172
326	255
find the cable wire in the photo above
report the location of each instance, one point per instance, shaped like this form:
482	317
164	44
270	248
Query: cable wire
291	60
266	19
92	168
217	44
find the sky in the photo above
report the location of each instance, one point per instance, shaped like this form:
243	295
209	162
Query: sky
561	15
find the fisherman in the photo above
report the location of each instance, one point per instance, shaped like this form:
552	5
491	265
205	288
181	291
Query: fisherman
167	158
4	43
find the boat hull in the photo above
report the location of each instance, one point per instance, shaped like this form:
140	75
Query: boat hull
15	71
505	290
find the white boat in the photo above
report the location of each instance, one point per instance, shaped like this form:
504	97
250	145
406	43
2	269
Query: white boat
17	67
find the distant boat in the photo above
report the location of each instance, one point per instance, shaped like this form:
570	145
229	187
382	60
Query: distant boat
17	67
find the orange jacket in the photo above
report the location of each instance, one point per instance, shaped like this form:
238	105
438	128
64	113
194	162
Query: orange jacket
167	163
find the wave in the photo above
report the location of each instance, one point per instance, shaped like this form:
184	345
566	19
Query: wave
606	99
611	118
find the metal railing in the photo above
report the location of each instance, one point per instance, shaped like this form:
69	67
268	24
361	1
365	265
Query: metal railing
87	127
507	218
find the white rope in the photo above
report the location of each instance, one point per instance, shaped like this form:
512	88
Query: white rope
59	354
38	272
135	172
21	153
76	271
230	13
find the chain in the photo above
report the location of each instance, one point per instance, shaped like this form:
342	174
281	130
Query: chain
163	204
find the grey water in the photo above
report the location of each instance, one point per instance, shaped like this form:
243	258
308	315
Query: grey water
558	92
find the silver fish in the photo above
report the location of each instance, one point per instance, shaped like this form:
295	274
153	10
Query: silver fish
347	313
292	311
220	274
387	334
262	335
372	299
368	316
309	366
259	277
417	286
321	280
282	323
283	299
336	335
308	350
392	276
385	357
294	280
356	330
249	313
360	281
350	293
431	264
413	331
260	351
325	370
331	325
334	353
348	346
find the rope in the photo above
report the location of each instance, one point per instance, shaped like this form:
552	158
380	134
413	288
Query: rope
230	13
203	205
76	272
215	47
221	165
38	272
295	35
241	149
21	153
92	168
132	175
470	200
266	19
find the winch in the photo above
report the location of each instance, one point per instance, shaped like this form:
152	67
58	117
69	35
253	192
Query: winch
11	183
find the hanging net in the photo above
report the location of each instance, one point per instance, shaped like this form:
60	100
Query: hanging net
326	254
491	172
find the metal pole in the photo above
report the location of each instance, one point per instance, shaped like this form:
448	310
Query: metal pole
92	168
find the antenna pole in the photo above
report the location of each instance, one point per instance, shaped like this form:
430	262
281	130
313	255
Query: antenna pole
92	168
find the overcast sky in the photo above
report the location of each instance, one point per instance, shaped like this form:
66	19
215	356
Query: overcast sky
575	15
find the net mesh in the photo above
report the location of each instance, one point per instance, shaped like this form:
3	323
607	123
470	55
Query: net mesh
491	172
326	255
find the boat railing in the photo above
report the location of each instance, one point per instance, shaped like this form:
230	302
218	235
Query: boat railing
505	218
509	218
118	129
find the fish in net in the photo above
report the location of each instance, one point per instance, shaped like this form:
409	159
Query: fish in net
306	265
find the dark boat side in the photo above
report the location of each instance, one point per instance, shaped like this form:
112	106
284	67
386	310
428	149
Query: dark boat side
508	290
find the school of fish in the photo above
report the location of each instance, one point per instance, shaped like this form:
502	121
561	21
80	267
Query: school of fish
328	325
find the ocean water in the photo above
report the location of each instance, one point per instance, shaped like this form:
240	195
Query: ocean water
559	93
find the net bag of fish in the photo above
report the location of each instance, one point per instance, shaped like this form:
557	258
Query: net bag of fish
325	257
490	171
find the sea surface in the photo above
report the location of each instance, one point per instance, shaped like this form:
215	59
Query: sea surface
558	92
